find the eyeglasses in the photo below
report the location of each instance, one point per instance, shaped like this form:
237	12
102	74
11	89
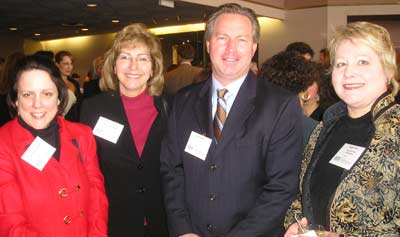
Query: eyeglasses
140	59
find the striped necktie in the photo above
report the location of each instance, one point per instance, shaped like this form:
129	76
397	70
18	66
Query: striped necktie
220	114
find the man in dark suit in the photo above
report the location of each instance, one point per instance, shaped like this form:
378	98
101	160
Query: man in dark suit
230	161
185	74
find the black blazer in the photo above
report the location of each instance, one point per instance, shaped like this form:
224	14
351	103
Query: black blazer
132	183
73	113
249	178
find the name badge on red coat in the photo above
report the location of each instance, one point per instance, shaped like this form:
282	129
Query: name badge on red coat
38	153
198	145
108	129
347	156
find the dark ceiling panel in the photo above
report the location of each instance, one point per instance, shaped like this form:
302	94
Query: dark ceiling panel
64	18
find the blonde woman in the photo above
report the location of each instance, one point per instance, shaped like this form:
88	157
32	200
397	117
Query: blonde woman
349	181
132	101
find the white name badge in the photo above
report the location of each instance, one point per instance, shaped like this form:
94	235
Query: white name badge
347	156
198	145
38	153
108	129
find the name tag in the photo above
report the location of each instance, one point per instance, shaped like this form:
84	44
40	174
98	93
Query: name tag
38	153
108	129
198	145
347	156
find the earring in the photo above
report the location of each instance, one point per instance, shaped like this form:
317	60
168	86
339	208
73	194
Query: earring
388	82
305	97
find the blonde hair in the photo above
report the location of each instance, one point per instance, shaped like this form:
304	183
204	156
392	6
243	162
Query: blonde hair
374	36
132	35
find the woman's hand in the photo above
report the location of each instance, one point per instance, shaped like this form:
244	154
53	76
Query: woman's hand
294	228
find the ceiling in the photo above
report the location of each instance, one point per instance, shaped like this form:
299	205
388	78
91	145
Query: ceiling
65	18
54	19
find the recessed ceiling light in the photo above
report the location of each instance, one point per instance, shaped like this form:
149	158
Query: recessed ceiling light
37	34
115	21
13	28
91	5
84	29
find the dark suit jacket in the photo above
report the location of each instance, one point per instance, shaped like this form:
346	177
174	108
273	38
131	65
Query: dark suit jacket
132	184
73	113
91	88
180	77
249	178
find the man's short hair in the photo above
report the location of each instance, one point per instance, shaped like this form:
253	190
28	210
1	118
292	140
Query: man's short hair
300	47
186	51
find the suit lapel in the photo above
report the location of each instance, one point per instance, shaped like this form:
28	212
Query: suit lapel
203	110
241	109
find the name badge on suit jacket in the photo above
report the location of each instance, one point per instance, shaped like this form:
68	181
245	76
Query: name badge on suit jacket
108	129
198	145
38	153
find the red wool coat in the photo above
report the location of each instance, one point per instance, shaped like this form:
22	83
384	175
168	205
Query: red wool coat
66	198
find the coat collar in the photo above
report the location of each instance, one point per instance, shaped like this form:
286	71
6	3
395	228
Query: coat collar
339	109
68	151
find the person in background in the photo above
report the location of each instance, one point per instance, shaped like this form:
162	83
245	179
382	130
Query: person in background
324	58
350	171
231	158
45	53
311	98
76	77
64	62
254	68
6	81
326	92
289	70
303	48
132	113
50	181
185	74
91	86
2	61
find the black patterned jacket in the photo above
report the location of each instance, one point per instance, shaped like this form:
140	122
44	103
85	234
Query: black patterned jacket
367	199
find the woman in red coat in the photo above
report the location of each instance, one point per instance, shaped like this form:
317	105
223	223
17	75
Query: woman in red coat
50	181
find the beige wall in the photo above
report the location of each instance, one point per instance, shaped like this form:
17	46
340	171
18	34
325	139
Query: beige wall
307	25
338	15
315	25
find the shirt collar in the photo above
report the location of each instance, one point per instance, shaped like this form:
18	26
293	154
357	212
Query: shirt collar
233	87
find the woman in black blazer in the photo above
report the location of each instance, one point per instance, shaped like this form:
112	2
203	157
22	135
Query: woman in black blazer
132	101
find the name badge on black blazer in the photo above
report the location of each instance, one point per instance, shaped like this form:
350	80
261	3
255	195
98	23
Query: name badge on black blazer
108	129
